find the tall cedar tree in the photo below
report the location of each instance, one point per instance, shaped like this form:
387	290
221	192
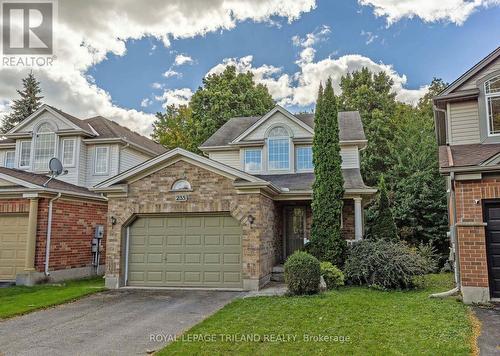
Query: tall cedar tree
29	102
327	243
223	96
384	227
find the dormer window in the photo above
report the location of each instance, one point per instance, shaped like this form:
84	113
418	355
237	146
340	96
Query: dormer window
492	95
278	145
45	147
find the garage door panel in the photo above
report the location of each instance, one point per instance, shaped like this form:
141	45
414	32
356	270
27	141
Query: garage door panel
13	235
196	251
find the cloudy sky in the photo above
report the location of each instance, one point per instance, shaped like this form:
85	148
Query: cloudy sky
127	59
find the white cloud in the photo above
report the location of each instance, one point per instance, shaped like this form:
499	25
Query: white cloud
182	59
175	97
455	11
157	85
370	36
103	27
310	39
171	73
146	102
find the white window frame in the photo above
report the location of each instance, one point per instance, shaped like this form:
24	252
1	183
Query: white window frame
290	149
486	97
21	143
107	160
297	160
13	159
73	155
245	160
36	135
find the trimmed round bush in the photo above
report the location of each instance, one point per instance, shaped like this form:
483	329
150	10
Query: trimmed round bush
333	276
302	273
384	264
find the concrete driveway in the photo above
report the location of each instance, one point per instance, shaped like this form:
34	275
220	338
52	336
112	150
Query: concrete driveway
120	322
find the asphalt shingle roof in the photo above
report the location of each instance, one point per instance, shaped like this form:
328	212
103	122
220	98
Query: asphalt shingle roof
350	128
467	155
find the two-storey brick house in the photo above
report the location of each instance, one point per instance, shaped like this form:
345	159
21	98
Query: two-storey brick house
467	116
46	228
225	219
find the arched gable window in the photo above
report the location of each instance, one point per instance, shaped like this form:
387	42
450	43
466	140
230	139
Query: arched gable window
180	185
278	149
45	147
492	95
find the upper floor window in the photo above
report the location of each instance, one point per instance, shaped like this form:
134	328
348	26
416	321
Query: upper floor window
101	160
304	158
68	152
253	160
180	185
492	94
45	147
278	145
25	154
10	159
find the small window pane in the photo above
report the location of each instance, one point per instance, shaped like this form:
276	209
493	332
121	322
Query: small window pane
278	132
101	160
68	152
10	159
24	159
181	185
304	158
494	114
279	153
493	85
45	147
253	160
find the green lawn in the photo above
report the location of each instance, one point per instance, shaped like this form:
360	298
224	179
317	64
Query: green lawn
368	321
20	300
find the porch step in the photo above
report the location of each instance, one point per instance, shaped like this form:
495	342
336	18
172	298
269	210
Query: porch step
278	274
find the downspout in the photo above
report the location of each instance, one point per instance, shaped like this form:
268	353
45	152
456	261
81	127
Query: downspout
49	233
454	243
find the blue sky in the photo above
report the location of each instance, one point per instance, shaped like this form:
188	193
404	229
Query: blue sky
413	47
112	56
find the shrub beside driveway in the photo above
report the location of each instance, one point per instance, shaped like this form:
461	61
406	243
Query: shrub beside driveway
351	320
21	300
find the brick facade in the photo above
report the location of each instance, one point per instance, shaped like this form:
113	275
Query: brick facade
471	228
211	193
73	224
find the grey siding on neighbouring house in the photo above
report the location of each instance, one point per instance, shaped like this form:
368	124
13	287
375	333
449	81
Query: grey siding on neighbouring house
229	157
464	123
472	82
130	157
113	164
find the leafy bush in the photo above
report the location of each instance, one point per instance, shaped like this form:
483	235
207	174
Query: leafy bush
302	273
428	252
385	264
332	275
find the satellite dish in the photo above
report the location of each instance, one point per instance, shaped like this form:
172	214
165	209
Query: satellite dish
55	167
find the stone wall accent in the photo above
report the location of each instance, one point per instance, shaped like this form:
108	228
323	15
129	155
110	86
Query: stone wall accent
73	227
211	192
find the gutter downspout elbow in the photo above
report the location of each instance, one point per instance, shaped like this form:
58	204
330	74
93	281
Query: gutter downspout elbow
49	233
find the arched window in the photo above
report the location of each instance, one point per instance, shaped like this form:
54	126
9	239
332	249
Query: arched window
278	149
492	95
45	147
181	185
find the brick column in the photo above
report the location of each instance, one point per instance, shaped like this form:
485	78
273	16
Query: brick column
29	262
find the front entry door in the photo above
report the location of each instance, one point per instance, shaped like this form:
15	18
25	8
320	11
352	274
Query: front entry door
492	215
295	221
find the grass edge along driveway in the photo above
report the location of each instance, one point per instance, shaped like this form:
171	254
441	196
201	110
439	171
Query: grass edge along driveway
18	300
375	322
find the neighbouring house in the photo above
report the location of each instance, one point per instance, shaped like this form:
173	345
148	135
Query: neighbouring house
467	116
225	219
47	228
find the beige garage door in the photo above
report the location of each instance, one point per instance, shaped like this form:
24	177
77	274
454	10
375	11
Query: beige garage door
13	233
189	251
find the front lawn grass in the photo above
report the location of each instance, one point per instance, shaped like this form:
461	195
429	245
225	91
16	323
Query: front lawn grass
18	300
375	322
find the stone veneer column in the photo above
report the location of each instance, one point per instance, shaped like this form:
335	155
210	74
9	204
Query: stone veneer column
358	218
29	262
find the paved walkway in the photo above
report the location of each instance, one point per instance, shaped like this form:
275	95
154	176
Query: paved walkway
489	340
119	322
